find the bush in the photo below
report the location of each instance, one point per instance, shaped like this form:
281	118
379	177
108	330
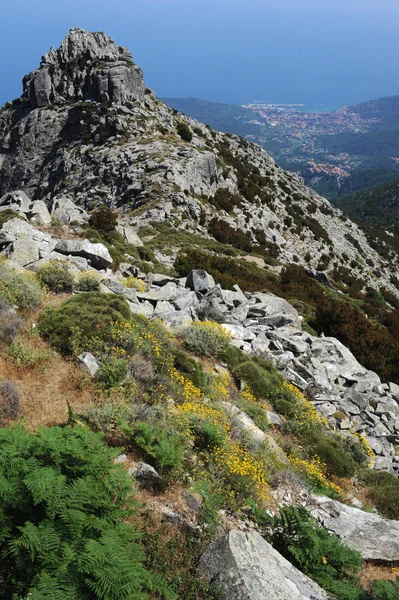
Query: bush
7	215
88	281
82	320
184	132
330	450
383	491
56	276
263	379
20	288
104	219
206	338
163	449
111	373
9	401
64	507
135	283
9	323
190	368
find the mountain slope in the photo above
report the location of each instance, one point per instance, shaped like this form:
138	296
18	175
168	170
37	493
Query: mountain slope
378	205
86	127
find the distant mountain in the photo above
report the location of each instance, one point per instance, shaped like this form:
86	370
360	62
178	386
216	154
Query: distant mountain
378	205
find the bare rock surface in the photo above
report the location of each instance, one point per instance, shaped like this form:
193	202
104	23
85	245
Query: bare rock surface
248	568
376	538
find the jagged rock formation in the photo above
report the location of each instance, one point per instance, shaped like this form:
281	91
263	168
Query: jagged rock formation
87	129
87	66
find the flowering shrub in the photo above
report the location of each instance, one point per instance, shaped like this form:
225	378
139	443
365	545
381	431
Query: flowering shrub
149	337
21	289
241	470
206	338
56	276
313	472
135	283
88	281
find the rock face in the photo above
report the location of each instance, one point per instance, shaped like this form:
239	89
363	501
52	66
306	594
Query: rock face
87	66
376	539
248	568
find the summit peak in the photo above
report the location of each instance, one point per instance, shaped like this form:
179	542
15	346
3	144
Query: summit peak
86	66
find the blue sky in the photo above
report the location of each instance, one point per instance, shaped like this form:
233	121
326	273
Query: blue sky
225	50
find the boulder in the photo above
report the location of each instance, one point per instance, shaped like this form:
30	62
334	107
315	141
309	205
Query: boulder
129	234
145	475
273	305
67	212
246	567
87	361
376	538
200	281
97	254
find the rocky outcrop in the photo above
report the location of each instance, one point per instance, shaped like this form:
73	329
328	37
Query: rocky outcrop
37	211
248	568
87	66
27	246
66	212
376	539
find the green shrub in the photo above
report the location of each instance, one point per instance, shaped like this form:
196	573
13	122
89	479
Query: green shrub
384	491
88	281
264	380
56	276
331	450
386	590
163	449
64	507
257	414
184	132
190	368
24	356
81	320
206	338
20	288
111	373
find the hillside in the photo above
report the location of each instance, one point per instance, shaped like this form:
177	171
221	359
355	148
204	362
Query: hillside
337	153
199	385
378	205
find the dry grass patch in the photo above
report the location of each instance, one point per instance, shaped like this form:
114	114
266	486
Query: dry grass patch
371	572
46	387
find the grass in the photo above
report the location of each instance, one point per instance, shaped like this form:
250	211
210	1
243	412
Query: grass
44	393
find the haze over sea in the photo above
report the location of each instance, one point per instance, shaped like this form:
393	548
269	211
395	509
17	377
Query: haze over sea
329	53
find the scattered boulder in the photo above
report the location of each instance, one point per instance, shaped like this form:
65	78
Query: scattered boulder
376	538
129	234
97	254
248	568
88	362
145	475
200	281
67	212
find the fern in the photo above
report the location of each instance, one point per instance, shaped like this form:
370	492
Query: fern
63	512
